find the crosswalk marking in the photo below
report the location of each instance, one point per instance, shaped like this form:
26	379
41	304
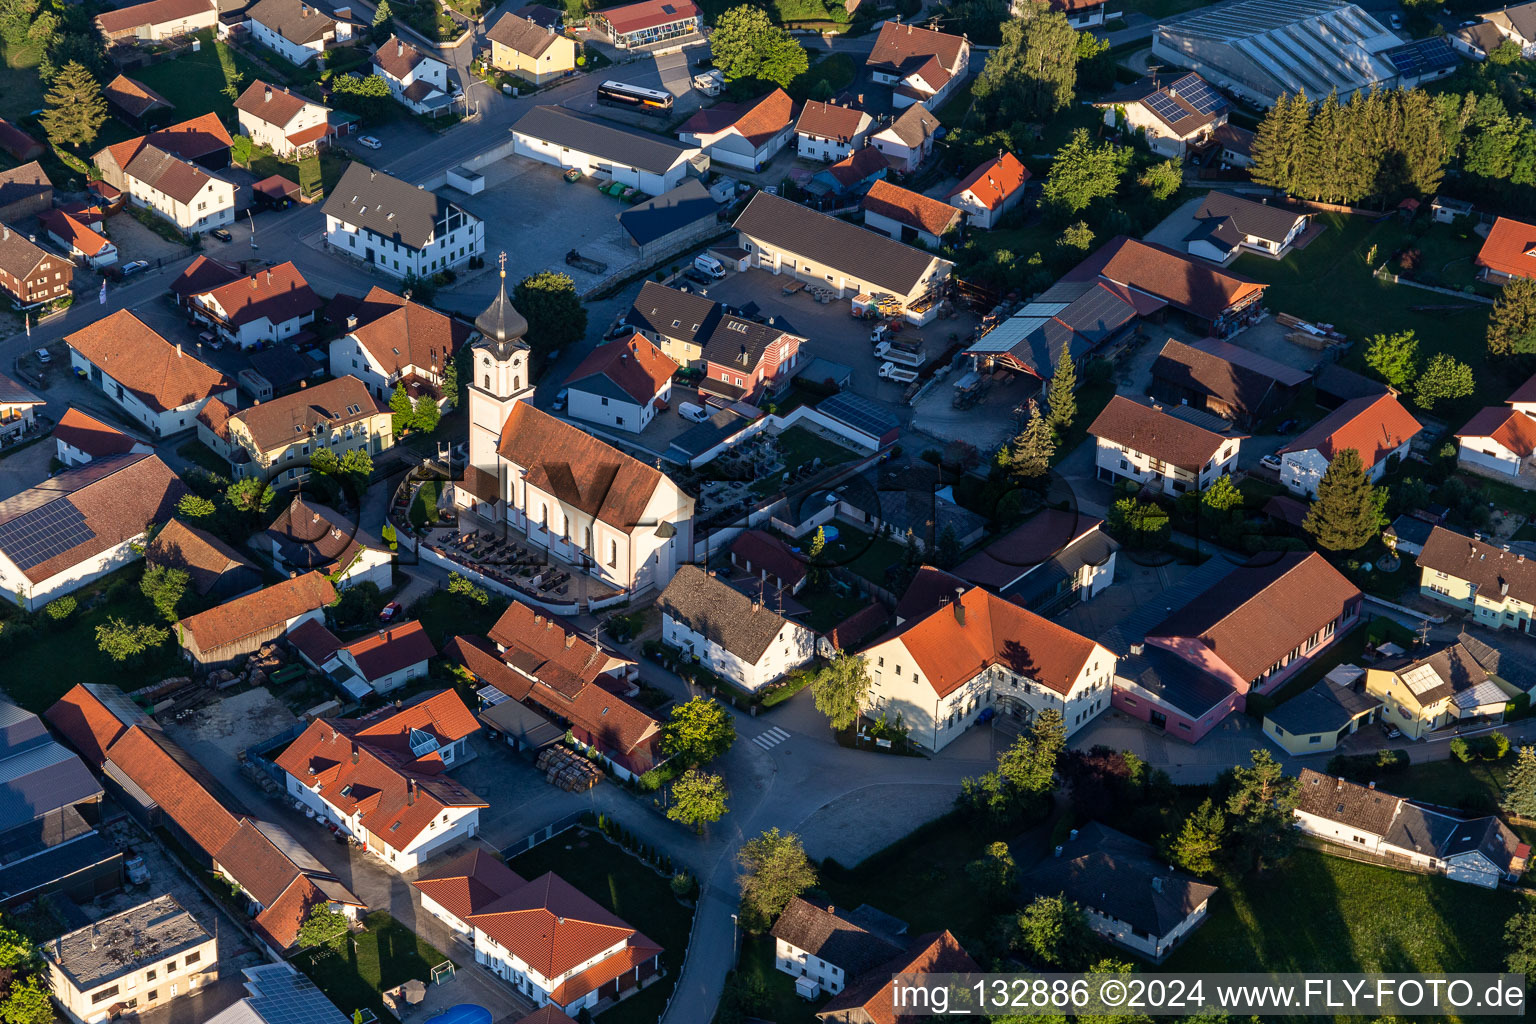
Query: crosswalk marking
771	738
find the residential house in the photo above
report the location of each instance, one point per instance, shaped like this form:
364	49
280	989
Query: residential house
907	142
274	993
137	960
869	998
1177	114
908	216
743	135
391	341
284	121
153	381
25	191
829	131
534	52
1508	251
215	571
737	636
620	384
310	537
1234	383
31	275
741	359
671	222
1425	691
1377	427
785	237
1055	559
383	779
939	670
79	438
543	937
825	947
80	240
295	30
990	191
1261	623
1227	224
134	99
1316	720
676	321
161	786
589	504
1408	533
1236	146
418	81
642	160
920	64
761	559
167	172
1500	440
239	627
1334	385
397	228
1213	300
17	143
268	306
80	525
901	496
1517	24
1496	585
378	663
852	175
1476	40
1130	893
1164	448
544	664
202	275
1081	14
277	439
659	26
1481	851
157	20
18	407
52	810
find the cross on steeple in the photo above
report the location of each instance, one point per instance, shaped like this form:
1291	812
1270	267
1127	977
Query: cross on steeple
502	262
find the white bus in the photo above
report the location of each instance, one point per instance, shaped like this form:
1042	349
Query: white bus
636	97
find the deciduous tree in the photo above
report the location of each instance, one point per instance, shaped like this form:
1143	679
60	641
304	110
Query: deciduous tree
698	799
1512	325
1162	179
1343	517
1054	932
839	688
775	871
747	44
548	301
121	640
1394	356
1032	75
994	872
698	731
323	924
249	495
1445	379
191	506
165	586
1081	172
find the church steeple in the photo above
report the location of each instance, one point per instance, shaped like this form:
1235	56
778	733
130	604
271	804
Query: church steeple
501	324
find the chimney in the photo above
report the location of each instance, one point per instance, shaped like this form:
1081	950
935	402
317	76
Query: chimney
1138	648
960	605
1338	784
269	275
354	752
267	96
1072	835
1157	883
351	321
178	350
1503	588
410	793
399	47
1372	784
570	640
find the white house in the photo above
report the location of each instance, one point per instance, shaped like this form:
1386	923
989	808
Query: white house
941	668
295	29
825	948
309	537
920	65
736	636
907	141
419	82
285	121
79	438
1518	24
620	384
181	192
380	662
564	138
82	524
156	383
1227	223
590	505
383	779
157	20
990	191
268	306
1081	14
80	240
543	937
830	131
397	228
1055	557
744	135
1174	113
1152	445
1501	439
1482	851
1376	426
391	340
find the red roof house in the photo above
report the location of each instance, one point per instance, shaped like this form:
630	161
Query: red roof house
991	190
1508	251
1376	426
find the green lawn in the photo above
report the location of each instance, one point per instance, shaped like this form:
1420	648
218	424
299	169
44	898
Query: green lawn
864	553
629	889
444	615
195	82
1475	787
829	606
755	970
21	92
354	969
43	658
424	505
836	69
1320	913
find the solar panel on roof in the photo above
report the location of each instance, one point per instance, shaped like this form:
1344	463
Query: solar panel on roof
1163	105
859	412
1197	92
43	533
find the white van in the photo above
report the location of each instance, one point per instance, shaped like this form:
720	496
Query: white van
689	411
707	264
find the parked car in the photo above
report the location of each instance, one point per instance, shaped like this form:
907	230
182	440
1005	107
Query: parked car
129	269
1396	22
1392	731
138	871
43	356
222	234
210	339
389	611
561	398
1271	462
697	278
369	142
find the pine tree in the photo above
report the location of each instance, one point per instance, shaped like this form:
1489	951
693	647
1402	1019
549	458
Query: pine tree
76	108
1279	145
1520	790
382	14
1512	326
1343	517
1199	840
1062	394
1028	456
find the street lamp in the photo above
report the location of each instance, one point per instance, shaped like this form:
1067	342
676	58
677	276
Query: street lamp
734	933
252	218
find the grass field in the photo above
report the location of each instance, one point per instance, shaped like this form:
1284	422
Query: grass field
630	890
864	553
782	1005
444	615
20	90
354	969
1320	913
195	82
